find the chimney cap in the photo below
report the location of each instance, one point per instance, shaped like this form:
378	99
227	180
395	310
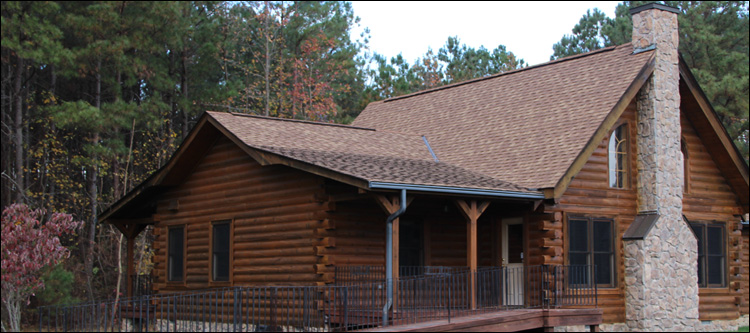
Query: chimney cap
653	5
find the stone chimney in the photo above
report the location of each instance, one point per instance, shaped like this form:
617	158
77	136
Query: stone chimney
661	278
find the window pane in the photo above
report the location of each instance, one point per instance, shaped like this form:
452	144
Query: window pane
618	163
220	259
604	268
576	271
578	235
602	236
714	240
176	253
715	270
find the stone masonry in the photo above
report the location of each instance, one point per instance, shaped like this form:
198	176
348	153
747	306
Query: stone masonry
661	278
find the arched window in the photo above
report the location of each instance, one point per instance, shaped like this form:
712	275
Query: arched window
685	166
618	157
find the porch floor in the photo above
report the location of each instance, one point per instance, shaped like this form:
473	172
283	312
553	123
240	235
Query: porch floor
504	321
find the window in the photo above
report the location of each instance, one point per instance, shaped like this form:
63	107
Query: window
711	254
220	250
176	255
591	242
685	166
618	157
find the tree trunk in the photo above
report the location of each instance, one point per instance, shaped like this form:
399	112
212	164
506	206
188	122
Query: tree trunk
18	129
92	178
184	85
268	61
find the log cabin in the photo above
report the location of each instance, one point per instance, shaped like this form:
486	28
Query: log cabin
613	160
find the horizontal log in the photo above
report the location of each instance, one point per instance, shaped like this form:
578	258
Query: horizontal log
547	225
550	217
326	242
278	279
286	269
291	260
246	228
292	252
320	250
273	236
343	260
273	244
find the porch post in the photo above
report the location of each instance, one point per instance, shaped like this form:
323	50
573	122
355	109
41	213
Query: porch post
472	211
131	266
471	253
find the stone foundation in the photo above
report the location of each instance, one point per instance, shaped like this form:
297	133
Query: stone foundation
703	326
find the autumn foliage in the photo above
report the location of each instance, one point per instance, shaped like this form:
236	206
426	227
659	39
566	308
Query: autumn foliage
29	245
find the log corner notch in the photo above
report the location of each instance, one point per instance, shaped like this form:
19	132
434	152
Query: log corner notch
472	211
131	229
324	239
546	233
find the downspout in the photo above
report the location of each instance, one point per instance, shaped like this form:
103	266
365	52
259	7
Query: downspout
389	256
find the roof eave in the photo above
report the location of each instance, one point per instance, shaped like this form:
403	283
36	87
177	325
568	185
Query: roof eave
456	190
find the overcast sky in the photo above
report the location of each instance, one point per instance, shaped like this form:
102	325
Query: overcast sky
528	29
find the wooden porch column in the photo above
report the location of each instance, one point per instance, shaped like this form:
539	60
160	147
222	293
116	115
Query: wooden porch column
131	266
391	206
471	212
130	229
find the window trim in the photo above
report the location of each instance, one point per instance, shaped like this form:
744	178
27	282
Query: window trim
230	277
686	165
589	227
628	156
168	274
725	254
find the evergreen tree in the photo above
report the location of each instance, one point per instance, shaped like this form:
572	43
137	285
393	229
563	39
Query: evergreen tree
713	43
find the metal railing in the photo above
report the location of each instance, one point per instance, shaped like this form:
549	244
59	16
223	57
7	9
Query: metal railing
352	305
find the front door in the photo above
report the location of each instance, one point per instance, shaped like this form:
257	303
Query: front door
411	248
513	271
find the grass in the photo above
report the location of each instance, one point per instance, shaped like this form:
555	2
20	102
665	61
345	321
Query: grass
744	329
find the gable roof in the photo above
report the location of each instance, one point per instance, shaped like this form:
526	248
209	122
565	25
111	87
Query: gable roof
526	126
511	134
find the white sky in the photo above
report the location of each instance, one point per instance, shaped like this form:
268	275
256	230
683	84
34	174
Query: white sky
528	29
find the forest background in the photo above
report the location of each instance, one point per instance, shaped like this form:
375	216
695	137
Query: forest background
98	95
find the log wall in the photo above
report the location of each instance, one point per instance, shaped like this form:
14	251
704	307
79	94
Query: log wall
709	198
276	212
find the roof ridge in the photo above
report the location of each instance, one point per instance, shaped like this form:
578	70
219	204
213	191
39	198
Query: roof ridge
453	85
296	121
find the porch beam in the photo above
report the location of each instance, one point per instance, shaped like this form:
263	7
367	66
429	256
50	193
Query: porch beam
472	211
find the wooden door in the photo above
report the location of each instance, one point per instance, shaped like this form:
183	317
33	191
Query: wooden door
513	271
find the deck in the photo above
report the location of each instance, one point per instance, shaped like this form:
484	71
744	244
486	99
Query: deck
505	321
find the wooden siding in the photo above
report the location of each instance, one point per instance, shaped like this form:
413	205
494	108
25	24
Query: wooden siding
276	212
709	199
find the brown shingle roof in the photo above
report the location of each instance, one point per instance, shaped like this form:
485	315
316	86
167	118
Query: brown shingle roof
526	126
367	154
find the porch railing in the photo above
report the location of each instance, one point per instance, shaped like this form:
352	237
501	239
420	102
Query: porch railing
350	306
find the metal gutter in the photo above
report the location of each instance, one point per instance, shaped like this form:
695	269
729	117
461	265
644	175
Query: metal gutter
456	190
389	255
